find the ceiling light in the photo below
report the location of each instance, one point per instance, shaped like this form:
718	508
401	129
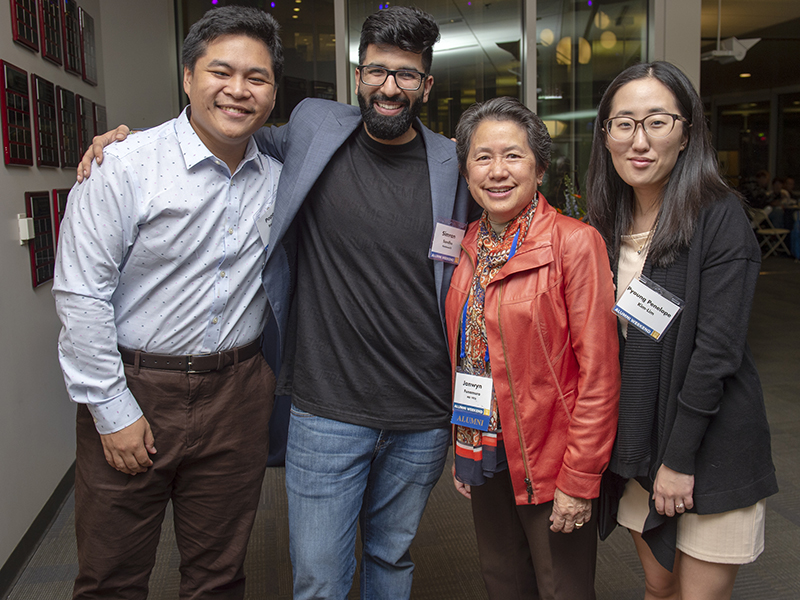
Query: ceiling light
608	40
601	20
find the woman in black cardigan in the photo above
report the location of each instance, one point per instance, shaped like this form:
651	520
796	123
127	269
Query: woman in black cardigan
692	462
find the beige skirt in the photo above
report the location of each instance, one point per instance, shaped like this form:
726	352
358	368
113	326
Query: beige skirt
735	537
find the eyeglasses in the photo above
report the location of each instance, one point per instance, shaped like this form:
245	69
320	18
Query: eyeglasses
657	125
404	78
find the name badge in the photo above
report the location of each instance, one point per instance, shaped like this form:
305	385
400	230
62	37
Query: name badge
446	241
472	401
264	223
648	307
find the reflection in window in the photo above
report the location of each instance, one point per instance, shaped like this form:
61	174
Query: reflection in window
581	47
789	136
742	141
308	45
477	58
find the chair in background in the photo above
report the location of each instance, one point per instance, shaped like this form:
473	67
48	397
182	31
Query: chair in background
771	239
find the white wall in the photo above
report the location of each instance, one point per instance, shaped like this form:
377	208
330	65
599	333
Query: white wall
675	35
141	72
138	85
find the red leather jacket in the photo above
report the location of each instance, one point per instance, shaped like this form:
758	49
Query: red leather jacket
554	354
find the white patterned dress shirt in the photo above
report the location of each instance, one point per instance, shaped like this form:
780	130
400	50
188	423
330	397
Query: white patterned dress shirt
158	252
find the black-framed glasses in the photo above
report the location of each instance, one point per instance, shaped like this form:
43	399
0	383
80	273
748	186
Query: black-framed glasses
657	125
405	79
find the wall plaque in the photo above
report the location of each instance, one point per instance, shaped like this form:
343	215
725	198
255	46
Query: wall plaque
15	111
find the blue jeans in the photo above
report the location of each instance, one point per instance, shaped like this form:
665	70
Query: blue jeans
337	475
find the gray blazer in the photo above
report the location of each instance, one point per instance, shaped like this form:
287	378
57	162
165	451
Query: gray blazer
305	145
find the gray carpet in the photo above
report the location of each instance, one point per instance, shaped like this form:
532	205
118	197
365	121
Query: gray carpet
444	550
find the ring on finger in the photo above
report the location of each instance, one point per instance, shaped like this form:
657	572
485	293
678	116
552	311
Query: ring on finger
578	525
679	506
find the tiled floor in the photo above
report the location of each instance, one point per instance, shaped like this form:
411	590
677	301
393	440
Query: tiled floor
444	550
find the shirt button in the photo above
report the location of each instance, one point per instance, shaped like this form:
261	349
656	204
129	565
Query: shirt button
230	231
215	320
222	274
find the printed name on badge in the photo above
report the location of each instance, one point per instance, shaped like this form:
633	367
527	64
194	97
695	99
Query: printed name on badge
472	401
446	241
648	307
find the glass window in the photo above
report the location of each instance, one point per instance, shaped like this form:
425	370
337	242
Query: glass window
477	58
308	44
743	140
789	136
581	47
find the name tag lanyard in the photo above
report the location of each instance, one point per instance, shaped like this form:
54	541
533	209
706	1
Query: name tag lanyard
472	397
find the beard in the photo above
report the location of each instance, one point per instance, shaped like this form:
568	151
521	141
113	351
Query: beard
388	128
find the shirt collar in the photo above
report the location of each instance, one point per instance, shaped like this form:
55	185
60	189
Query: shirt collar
195	151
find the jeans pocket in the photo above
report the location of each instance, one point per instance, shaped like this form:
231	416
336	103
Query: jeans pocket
300	413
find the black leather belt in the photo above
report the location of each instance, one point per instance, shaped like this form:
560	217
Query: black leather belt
191	363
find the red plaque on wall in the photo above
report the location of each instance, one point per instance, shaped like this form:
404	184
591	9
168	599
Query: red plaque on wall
43	254
100	119
71	34
85	122
50	25
25	23
15	111
88	51
67	127
59	206
45	121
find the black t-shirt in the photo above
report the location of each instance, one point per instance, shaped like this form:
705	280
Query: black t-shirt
370	345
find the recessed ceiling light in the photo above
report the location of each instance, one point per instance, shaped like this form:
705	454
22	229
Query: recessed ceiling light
745	75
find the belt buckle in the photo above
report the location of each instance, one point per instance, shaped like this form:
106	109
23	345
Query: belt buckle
189	368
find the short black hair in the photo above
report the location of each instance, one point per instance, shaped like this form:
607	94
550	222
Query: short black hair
234	20
407	28
503	108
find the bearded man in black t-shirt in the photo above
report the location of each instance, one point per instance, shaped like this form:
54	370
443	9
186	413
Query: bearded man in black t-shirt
366	359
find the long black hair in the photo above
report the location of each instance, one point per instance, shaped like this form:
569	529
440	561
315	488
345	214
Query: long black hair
693	183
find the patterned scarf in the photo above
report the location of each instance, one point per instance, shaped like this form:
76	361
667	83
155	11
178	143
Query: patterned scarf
480	454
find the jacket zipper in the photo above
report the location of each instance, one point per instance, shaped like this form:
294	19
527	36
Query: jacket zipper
528	483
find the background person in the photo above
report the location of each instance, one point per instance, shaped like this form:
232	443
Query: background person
530	306
693	447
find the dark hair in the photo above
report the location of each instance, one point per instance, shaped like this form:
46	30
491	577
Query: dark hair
407	28
503	109
234	20
693	183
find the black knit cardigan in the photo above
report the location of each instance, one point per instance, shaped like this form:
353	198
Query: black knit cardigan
706	416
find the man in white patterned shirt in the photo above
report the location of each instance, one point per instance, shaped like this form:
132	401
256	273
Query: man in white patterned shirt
158	288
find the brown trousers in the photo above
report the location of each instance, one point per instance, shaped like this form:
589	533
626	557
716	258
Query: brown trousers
521	559
210	433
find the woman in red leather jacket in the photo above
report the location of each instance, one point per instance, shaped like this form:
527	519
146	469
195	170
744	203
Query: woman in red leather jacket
529	316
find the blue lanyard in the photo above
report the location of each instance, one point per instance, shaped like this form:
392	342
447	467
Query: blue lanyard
464	313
